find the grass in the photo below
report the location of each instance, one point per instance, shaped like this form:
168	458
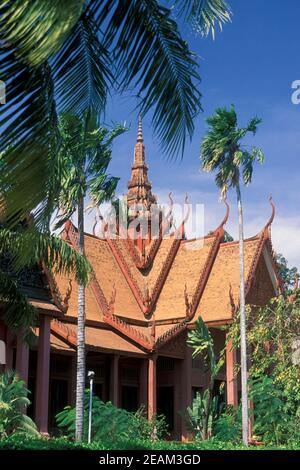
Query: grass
22	442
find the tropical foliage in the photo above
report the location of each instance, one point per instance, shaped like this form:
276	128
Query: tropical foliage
13	403
204	411
288	275
65	56
110	423
222	151
273	339
203	406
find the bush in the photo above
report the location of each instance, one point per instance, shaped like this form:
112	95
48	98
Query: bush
21	442
228	427
13	402
110	423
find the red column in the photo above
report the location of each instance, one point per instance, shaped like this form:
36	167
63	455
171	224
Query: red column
72	381
143	383
114	380
231	379
186	390
22	358
152	400
43	371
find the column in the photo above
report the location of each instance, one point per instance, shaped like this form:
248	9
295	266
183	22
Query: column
72	381
152	399
143	382
186	390
42	379
114	380
231	379
22	358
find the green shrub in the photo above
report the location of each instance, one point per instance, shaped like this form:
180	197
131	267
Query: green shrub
13	402
270	417
228	427
110	423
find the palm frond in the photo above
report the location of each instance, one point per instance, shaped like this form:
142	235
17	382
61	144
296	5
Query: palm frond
150	54
82	70
29	142
35	29
30	247
204	15
18	314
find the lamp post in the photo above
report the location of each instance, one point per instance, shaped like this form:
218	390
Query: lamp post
91	375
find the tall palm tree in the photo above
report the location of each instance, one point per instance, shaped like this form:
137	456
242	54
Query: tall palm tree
65	56
85	154
222	151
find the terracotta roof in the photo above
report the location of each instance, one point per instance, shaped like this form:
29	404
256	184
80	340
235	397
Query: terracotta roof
96	339
185	279
221	295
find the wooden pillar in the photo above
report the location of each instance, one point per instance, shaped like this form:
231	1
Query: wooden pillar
231	379
22	358
114	380
186	390
143	382
72	381
152	399
42	379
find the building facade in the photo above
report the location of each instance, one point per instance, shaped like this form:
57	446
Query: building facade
144	296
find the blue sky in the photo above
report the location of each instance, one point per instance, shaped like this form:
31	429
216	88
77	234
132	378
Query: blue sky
252	64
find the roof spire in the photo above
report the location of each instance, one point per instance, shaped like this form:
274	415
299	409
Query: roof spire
140	130
139	186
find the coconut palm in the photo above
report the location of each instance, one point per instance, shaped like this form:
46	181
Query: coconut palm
84	156
65	56
222	151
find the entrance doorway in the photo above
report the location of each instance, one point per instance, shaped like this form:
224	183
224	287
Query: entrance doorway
165	404
129	397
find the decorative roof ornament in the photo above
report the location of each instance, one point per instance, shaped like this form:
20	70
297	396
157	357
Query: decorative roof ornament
225	219
140	130
267	227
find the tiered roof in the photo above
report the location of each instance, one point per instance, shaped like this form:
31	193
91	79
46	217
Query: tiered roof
138	304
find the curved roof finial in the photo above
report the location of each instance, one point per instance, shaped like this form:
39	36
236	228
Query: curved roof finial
140	130
186	202
226	216
270	221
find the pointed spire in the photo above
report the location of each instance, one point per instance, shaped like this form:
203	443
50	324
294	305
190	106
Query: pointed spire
140	130
139	186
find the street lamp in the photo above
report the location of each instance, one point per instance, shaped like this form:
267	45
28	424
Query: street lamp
91	376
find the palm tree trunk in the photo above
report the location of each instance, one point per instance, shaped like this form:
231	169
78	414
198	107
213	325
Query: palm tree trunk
242	319
80	382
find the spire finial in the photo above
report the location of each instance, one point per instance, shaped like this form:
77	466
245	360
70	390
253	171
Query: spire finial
140	130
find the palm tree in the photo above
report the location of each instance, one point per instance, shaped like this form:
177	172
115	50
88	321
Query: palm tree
222	151
65	56
85	154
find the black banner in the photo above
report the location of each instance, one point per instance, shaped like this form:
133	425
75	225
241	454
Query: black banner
86	459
